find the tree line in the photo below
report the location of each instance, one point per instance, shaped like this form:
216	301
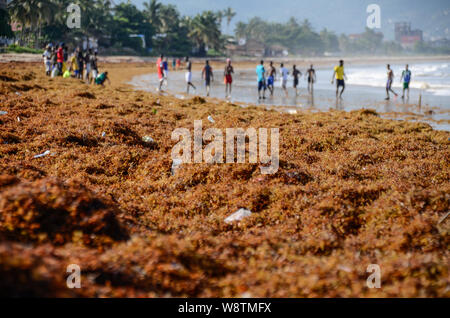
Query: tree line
163	27
165	30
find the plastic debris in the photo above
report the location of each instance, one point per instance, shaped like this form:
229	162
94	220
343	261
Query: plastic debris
211	119
148	139
103	134
18	119
18	94
291	111
2	112
46	153
176	163
444	218
238	215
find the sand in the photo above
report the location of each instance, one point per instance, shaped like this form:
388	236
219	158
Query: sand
352	189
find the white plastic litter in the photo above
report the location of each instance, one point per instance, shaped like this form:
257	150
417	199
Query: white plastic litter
18	94
238	215
46	153
176	163
18	119
211	119
2	112
291	111
103	134
148	139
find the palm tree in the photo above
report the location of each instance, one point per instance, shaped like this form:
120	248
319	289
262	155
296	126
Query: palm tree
229	14
204	31
152	9
32	15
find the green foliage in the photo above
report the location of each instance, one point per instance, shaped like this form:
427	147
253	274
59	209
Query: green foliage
298	38
5	28
13	48
368	42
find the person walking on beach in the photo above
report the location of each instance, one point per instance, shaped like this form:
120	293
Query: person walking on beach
178	64
87	62
228	78
261	74
339	73
406	78
160	70
60	58
174	64
208	76
80	61
189	75
74	65
311	78
390	80
47	60
166	70
296	73
284	78
271	78
94	66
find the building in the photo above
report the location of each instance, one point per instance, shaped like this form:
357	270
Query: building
245	48
3	4
407	37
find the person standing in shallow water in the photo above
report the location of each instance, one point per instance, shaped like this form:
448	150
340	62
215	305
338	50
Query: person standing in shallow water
261	76
406	78
311	78
296	73
390	80
208	76
339	73
271	78
284	78
228	78
189	75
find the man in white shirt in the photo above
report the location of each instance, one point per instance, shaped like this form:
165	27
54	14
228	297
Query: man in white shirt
47	60
284	78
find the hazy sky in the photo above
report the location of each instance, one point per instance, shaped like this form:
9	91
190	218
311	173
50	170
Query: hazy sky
341	16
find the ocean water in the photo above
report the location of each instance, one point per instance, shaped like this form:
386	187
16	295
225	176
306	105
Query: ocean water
365	88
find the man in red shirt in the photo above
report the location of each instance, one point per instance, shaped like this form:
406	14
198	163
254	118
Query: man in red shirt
60	58
160	68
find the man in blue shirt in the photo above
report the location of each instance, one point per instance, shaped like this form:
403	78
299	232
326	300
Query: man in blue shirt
261	73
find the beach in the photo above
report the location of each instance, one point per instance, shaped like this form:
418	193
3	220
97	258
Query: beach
87	178
429	98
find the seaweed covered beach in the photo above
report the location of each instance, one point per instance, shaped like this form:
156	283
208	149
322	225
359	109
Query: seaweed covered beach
80	183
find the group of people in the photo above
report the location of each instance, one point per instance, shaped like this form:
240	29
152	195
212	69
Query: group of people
207	74
82	64
266	78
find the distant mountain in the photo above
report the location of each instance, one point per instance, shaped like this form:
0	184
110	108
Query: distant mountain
340	16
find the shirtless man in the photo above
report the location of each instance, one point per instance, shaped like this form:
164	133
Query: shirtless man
311	78
207	75
390	80
228	78
189	75
271	79
296	73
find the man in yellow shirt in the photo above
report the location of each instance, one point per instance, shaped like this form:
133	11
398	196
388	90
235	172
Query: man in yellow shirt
340	77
